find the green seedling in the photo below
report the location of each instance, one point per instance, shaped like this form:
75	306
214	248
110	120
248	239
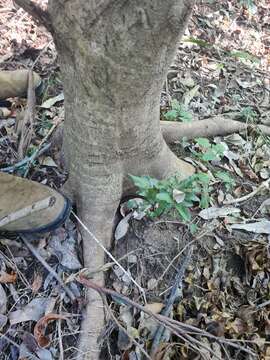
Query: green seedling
178	113
226	179
208	151
171	195
248	114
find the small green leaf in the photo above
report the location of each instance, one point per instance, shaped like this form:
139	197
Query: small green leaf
164	196
203	142
209	155
185	116
219	149
183	212
198	42
142	182
226	178
193	228
244	55
171	115
175	105
205	199
223	175
202	177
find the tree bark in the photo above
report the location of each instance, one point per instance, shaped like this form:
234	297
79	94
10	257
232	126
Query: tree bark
114	56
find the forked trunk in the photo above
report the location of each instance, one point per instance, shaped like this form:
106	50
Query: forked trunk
114	56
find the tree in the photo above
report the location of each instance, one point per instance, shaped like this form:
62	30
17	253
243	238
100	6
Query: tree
114	56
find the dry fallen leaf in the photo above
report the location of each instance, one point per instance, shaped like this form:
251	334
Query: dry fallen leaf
40	328
32	311
3	321
50	102
265	207
155	308
237	326
37	282
6	278
122	227
163	352
215	212
4	112
259	227
65	250
178	196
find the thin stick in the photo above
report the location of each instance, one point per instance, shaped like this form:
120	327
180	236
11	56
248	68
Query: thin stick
111	314
47	266
31	355
171	299
24	128
264	304
172	324
264	185
59	330
109	254
175	258
41	53
109	265
37	152
25	161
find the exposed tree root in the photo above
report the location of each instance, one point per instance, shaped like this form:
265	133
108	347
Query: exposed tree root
98	214
219	125
98	217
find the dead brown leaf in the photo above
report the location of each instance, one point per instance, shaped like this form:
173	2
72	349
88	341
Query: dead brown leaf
40	328
37	282
6	278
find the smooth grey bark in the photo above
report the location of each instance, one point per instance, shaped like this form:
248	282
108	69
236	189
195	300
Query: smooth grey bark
114	56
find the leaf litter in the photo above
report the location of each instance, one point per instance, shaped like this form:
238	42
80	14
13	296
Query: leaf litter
222	67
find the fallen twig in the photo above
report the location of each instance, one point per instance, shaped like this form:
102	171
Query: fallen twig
60	338
171	299
25	161
109	254
37	152
24	128
31	356
264	185
178	328
111	314
47	266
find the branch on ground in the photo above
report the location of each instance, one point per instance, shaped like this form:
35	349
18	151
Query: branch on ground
40	15
215	126
184	331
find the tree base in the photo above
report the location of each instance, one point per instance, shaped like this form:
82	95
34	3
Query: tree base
101	218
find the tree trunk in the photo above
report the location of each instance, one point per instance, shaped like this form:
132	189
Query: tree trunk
114	56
